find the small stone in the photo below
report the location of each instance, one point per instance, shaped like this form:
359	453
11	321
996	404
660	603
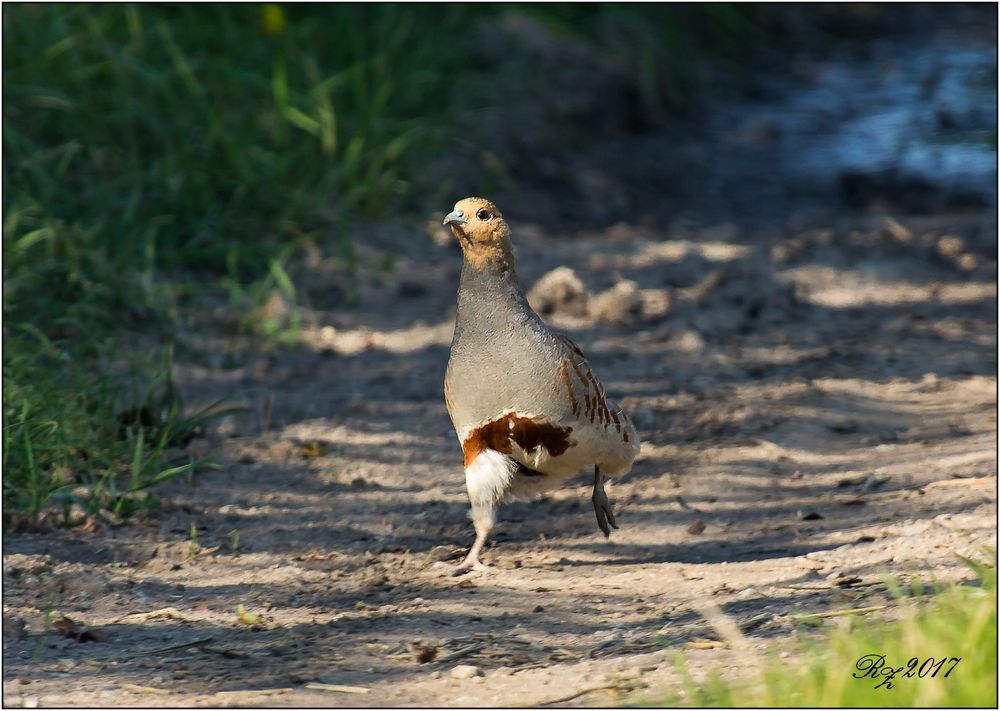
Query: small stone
696	528
951	246
538	608
465	671
967	262
688	341
435	675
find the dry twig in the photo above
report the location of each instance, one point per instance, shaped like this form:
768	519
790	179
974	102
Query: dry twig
618	686
171	648
463	652
259	692
839	613
137	689
316	686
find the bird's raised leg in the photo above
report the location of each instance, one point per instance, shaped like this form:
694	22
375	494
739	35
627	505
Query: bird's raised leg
484	515
487	479
602	507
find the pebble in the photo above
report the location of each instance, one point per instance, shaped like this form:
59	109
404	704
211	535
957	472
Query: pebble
465	671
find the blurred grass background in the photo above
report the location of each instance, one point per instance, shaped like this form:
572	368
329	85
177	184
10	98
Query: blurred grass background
156	156
825	668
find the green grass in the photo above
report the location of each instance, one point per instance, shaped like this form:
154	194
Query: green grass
154	155
76	442
835	669
158	156
205	137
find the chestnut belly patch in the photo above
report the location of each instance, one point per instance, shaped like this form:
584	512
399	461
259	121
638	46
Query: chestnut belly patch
528	433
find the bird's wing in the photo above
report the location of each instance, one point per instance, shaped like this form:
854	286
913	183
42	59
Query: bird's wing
586	394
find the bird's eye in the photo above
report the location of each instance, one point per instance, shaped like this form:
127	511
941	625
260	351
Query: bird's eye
483	214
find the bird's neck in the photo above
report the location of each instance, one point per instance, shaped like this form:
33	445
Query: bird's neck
489	281
493	256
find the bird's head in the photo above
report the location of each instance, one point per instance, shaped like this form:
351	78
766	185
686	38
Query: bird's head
481	230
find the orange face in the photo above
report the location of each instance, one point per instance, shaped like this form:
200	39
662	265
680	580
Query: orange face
477	222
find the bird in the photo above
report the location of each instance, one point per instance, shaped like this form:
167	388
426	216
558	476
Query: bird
524	402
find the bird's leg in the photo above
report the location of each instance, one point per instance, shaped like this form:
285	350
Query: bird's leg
484	515
602	507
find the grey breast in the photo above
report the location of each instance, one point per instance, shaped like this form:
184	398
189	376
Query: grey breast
503	359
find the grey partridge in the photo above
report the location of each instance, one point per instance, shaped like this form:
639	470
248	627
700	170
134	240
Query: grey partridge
524	402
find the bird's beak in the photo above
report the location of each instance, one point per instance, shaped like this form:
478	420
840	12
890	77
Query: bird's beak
454	218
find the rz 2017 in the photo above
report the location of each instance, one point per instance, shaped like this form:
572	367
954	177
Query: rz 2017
874	666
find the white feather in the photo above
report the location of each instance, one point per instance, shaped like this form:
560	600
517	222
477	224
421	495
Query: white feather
488	476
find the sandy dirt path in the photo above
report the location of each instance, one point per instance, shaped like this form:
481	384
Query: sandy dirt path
817	408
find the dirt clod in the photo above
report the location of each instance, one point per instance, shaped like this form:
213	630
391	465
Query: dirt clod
465	671
619	305
560	291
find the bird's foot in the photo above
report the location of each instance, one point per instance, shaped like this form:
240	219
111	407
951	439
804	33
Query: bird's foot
602	508
468	566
